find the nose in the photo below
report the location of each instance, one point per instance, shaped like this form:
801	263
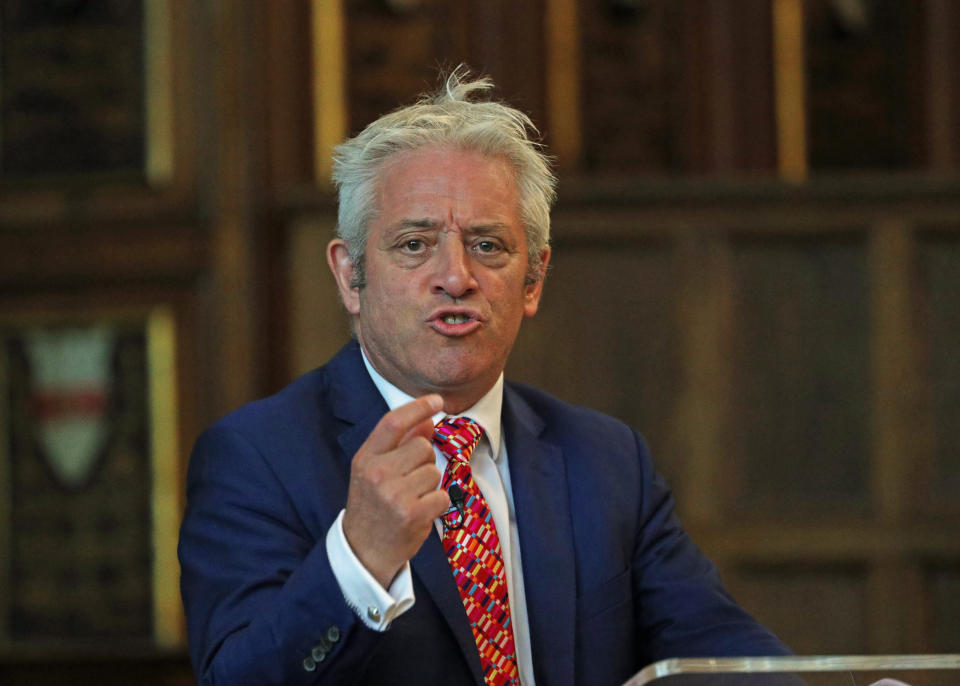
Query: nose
454	271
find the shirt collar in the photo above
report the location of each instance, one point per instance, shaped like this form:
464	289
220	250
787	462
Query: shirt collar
486	412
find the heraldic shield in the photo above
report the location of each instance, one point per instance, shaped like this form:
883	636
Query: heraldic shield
71	376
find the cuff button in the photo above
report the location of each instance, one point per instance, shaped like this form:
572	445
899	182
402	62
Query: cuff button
333	634
309	664
318	654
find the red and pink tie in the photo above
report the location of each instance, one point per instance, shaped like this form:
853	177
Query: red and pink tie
473	550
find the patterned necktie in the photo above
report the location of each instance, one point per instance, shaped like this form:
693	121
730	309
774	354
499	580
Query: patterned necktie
473	550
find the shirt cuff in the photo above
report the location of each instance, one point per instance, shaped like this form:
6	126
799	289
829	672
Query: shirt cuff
375	606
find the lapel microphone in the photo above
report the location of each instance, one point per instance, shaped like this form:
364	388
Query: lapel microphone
457	498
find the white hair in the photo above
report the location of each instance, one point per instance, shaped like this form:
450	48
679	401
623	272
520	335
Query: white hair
448	117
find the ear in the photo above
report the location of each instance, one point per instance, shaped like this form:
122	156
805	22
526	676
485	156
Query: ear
532	291
338	257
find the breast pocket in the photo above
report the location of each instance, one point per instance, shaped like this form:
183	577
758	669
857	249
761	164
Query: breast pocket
608	596
606	647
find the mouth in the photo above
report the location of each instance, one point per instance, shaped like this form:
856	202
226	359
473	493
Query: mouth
455	319
454	322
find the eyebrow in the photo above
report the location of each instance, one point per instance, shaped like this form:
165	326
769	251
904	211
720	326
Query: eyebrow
426	223
415	224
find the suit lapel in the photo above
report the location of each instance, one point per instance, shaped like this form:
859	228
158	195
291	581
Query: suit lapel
359	405
431	565
541	499
356	402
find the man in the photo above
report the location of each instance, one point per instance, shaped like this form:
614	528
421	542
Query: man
317	546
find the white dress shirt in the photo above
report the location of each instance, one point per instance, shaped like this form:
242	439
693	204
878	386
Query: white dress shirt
376	606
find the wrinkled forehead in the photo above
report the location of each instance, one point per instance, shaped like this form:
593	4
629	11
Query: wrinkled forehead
427	182
437	153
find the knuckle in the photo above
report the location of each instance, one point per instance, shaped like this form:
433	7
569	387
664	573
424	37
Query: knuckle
405	515
374	475
392	422
422	445
429	474
360	457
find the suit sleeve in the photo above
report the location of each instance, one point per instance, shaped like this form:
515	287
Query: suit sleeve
683	609
262	603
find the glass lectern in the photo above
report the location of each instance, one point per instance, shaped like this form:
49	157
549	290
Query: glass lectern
878	670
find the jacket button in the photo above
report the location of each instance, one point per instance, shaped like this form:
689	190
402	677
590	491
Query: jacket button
333	634
309	663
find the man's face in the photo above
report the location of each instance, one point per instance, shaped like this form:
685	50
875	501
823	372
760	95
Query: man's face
446	261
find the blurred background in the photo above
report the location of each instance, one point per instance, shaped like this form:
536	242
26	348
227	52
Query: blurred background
756	264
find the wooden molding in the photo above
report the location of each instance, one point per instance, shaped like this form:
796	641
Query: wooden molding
788	36
329	75
563	81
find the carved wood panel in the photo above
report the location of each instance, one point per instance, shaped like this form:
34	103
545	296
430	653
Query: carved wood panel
801	401
940	266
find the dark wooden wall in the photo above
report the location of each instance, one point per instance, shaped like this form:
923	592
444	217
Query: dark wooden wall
789	349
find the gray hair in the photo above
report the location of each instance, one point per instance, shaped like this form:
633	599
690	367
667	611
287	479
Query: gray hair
446	117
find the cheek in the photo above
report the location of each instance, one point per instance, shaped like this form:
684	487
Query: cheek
510	296
395	285
385	302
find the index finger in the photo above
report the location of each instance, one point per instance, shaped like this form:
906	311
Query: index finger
394	425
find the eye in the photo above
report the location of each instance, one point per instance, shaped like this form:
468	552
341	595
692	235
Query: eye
413	245
488	246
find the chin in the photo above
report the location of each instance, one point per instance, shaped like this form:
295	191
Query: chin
453	379
458	378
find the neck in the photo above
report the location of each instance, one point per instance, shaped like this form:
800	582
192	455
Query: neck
455	403
456	398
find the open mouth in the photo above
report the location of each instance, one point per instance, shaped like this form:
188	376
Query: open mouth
455	323
455	319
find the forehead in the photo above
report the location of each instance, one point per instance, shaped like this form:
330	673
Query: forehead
440	182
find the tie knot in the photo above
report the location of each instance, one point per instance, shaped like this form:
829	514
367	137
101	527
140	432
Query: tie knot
456	437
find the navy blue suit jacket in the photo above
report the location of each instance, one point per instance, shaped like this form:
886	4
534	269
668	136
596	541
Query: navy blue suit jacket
612	581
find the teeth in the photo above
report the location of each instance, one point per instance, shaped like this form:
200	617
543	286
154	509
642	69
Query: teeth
456	319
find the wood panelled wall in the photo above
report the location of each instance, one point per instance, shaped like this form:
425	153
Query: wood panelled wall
788	349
